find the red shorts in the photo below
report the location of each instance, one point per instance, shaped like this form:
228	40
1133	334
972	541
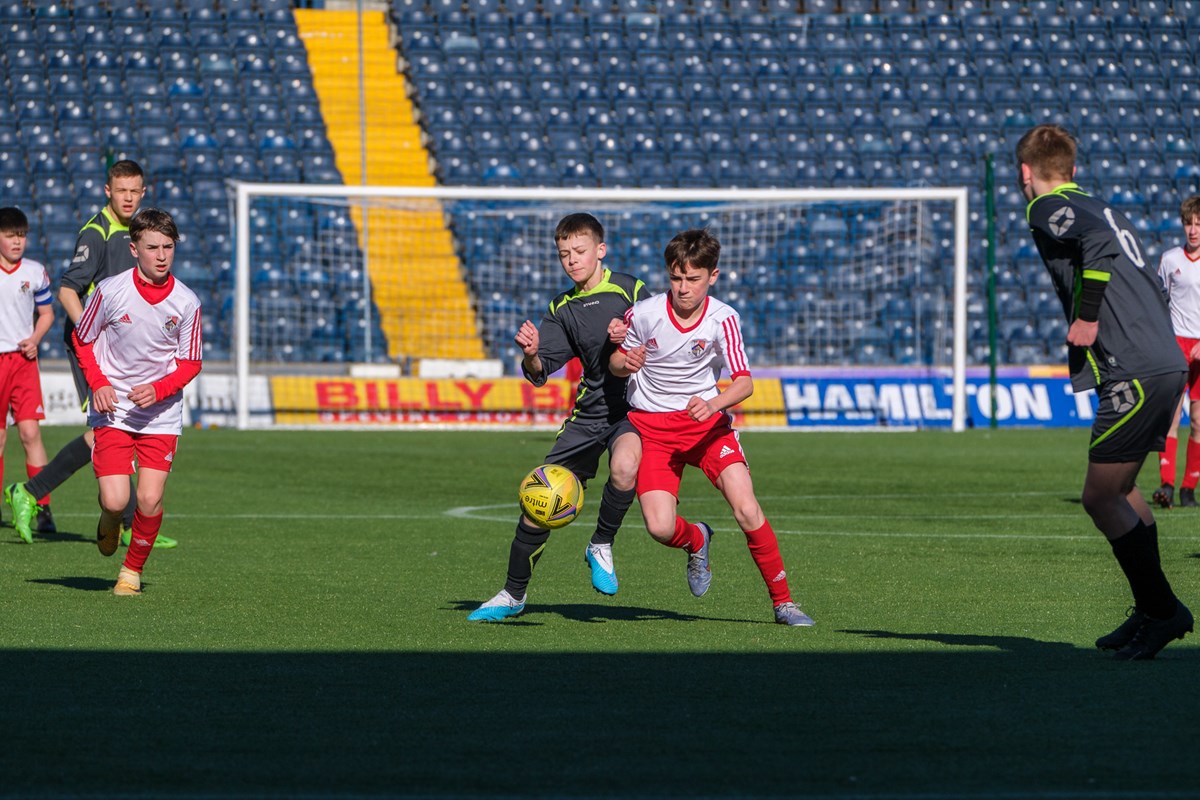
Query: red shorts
1193	382
21	387
119	452
672	439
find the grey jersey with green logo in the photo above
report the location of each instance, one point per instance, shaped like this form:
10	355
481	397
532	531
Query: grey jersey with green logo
576	324
101	251
1081	236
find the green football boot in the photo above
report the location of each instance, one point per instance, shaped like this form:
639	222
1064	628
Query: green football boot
24	506
161	543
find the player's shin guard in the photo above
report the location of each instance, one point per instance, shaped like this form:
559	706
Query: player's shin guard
613	505
145	531
32	472
764	549
1191	467
75	455
1137	553
1166	461
523	554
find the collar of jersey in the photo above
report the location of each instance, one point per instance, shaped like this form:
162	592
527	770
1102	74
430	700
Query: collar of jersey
602	286
114	225
1059	190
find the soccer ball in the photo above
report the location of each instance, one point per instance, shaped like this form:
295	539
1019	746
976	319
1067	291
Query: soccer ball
551	496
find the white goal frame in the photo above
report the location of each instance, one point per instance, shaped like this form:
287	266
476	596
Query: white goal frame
246	192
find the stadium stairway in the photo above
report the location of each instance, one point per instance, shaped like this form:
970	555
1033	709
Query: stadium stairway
421	295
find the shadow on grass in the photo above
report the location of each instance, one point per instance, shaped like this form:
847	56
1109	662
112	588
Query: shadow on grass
82	583
1011	715
591	612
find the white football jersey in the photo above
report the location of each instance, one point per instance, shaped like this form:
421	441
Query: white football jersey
1180	273
681	363
21	290
138	342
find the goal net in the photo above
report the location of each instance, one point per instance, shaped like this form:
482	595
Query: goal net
328	276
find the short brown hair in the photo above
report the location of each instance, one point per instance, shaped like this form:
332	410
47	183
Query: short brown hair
697	247
1049	151
1188	210
573	224
153	219
13	220
124	169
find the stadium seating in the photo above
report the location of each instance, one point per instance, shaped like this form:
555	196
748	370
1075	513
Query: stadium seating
691	93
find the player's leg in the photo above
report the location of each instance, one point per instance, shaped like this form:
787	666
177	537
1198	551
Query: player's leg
1132	420
112	461
21	388
30	431
155	455
1191	467
624	453
1164	495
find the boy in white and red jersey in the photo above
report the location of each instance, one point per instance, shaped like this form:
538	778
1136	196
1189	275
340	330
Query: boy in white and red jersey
139	343
1179	269
24	290
673	353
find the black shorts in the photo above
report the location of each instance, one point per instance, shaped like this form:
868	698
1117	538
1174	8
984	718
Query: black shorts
1134	417
579	445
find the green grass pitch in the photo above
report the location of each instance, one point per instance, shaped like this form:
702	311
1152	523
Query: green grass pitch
309	636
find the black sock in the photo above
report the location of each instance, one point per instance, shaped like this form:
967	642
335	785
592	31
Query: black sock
1137	553
523	555
613	505
74	456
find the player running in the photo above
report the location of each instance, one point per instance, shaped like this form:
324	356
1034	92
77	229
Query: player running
1120	343
578	324
1179	269
674	350
139	343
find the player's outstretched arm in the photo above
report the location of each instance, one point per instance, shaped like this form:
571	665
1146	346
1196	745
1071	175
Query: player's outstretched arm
528	339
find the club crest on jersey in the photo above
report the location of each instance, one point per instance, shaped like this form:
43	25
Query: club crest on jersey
699	346
171	324
24	287
652	344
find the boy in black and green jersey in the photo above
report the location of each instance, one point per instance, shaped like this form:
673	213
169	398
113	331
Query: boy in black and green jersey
1121	343
101	251
584	322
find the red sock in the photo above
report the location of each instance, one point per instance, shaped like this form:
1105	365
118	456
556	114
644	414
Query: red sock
1166	460
687	536
1191	468
145	531
32	472
764	549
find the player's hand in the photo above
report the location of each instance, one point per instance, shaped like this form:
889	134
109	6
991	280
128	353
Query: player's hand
635	359
617	329
104	399
699	409
1082	333
28	348
527	338
143	395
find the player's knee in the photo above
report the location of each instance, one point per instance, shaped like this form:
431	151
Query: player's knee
749	516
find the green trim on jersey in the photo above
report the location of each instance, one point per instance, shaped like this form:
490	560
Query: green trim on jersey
603	286
1059	190
113	225
1095	367
1141	400
1097	275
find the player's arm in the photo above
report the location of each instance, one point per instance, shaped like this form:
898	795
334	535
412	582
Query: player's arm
630	355
83	339
1054	217
43	320
546	348
77	281
741	386
189	354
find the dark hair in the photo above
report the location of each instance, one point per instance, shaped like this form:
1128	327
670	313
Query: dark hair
153	219
697	247
573	224
13	220
1189	210
124	169
1049	151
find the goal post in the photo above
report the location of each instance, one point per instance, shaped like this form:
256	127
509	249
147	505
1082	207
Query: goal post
332	275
